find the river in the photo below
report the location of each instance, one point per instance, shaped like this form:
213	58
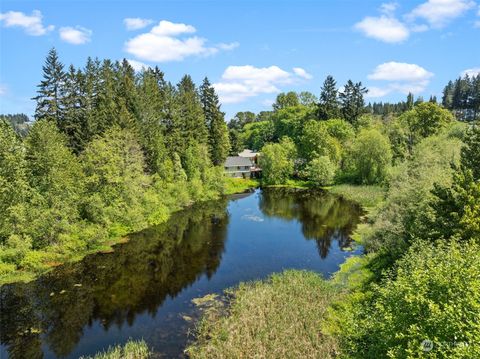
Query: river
144	288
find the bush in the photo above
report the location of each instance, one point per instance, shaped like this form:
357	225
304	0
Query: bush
433	294
321	171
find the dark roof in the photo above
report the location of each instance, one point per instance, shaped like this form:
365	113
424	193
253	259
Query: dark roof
237	161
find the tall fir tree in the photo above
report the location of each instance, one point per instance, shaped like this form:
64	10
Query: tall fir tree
50	89
353	104
191	119
328	106
218	139
74	110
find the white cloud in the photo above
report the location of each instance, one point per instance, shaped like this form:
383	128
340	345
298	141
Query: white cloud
439	13
163	43
75	35
138	65
400	77
302	73
239	83
384	28
471	72
136	23
167	28
399	71
32	24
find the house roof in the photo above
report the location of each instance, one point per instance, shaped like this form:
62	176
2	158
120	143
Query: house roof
247	153
237	161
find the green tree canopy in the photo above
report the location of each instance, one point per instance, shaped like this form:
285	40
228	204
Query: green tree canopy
277	161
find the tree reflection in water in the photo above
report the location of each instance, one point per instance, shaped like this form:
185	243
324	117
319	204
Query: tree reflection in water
323	216
112	290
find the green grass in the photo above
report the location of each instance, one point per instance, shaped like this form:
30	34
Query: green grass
239	185
133	349
370	197
293	183
281	317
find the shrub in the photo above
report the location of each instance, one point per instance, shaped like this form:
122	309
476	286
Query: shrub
433	294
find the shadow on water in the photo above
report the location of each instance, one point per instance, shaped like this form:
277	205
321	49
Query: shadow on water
83	307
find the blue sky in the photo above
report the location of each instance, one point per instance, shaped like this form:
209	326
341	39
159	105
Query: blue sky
250	50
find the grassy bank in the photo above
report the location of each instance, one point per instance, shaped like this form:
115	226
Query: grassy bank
281	317
239	185
133	349
369	197
37	262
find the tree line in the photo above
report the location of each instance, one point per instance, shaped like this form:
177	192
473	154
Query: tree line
462	96
110	151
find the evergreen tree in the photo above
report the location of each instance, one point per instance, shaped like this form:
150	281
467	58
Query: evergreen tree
73	121
190	115
409	101
456	209
152	112
447	98
218	139
328	106
106	109
50	89
90	91
353	104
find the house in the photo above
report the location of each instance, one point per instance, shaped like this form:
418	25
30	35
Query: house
245	165
237	166
252	156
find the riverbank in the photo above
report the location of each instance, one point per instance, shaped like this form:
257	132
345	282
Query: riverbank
41	261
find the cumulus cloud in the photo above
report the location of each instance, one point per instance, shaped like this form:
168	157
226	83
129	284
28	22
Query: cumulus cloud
439	13
471	72
384	28
434	13
164	42
75	35
399	71
136	23
32	24
400	77
239	83
302	73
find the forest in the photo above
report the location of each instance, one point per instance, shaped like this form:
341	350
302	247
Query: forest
113	151
110	152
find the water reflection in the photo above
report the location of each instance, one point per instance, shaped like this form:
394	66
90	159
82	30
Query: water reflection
51	316
323	217
113	288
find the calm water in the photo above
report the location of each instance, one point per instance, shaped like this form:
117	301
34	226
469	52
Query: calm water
145	287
